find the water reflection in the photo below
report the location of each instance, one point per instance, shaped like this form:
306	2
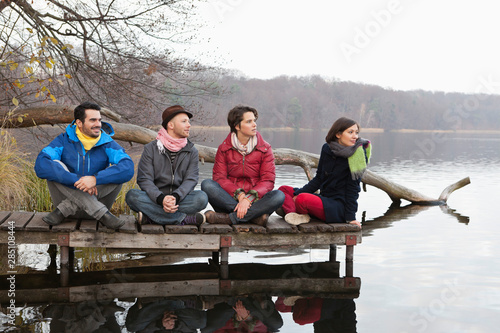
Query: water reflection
327	314
191	298
397	213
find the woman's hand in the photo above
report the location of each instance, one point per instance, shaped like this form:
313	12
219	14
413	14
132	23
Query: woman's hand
241	312
355	223
241	208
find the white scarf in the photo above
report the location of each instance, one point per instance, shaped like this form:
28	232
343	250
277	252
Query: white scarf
241	148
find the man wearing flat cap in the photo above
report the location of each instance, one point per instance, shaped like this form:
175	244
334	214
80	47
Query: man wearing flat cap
167	175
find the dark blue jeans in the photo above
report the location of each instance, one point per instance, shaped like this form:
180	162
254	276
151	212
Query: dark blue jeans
139	201
223	202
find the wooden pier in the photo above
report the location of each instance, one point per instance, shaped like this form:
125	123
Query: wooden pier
318	279
28	228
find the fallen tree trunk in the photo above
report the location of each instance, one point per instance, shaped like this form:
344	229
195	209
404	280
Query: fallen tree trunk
307	161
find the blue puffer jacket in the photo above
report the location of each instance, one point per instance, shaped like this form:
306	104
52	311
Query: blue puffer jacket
107	160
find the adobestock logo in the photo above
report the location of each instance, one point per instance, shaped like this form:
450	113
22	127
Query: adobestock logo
455	117
363	37
428	314
223	7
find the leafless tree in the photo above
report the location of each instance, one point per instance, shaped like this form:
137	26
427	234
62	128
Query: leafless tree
119	53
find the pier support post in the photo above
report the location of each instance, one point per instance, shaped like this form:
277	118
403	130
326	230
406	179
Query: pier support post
333	253
215	257
63	242
225	243
350	241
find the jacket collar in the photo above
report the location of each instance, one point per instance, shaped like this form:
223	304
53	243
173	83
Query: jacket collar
262	145
106	133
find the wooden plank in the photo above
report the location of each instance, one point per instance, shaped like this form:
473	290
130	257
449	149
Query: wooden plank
146	241
208	228
277	225
88	226
40	296
297	286
67	226
249	227
130	226
37	224
102	228
20	219
315	226
3	216
31	237
181	229
311	270
280	240
152	229
338	227
142	290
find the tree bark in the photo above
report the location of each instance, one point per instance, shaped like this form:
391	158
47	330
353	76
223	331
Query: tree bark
307	161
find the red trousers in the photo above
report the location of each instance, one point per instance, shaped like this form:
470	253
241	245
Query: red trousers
304	203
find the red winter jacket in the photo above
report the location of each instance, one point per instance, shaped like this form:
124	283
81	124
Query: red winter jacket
255	171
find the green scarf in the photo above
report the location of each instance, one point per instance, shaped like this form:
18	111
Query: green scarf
358	155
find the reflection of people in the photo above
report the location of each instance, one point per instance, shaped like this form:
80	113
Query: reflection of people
342	162
248	314
243	174
85	317
167	175
328	315
85	169
164	315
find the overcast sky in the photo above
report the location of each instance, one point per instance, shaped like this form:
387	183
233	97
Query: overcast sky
437	45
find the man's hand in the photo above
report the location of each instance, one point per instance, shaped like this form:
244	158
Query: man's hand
168	320
169	205
87	184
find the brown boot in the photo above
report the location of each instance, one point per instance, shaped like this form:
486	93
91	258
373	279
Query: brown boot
261	220
217	218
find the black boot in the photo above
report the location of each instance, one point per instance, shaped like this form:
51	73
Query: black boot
111	221
54	218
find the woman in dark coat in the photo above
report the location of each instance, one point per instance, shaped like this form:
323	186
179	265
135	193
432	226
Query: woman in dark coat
342	163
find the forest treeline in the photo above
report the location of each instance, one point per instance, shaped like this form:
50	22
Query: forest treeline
312	102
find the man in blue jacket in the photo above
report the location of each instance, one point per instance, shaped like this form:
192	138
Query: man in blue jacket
85	169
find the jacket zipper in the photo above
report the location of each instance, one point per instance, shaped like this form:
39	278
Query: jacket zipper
243	172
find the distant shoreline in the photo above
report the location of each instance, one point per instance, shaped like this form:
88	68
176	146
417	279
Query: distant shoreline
364	130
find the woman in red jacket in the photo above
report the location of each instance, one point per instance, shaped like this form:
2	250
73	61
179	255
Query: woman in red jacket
243	175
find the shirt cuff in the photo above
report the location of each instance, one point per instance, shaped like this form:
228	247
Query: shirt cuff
177	198
159	199
237	193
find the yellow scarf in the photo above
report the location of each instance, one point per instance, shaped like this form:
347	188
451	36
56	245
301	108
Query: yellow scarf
87	141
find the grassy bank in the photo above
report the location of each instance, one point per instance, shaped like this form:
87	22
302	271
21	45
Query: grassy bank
22	190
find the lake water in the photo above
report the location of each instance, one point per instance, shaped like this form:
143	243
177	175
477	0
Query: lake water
422	268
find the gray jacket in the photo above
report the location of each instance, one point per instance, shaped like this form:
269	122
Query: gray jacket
158	177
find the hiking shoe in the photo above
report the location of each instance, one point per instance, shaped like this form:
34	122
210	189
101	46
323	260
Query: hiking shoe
110	221
261	220
217	218
195	219
280	212
143	218
296	219
54	218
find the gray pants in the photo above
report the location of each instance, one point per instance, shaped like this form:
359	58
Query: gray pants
74	203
